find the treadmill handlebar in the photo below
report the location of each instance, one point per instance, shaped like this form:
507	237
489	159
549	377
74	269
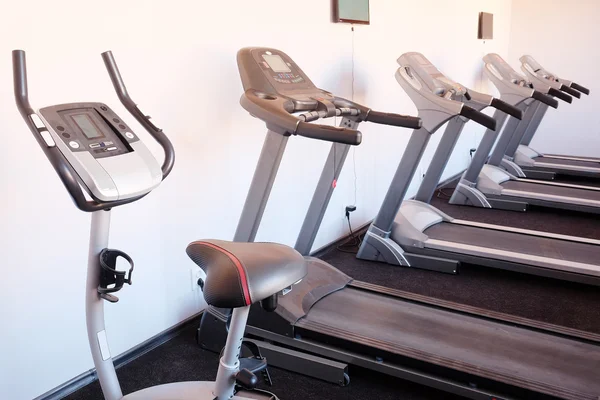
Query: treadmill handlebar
544	98
582	89
144	120
570	91
560	95
329	133
507	108
405	121
478	117
275	112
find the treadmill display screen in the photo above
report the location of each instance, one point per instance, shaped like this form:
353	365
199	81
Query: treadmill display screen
87	126
276	63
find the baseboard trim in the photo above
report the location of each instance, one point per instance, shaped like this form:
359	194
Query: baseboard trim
328	247
90	376
451	181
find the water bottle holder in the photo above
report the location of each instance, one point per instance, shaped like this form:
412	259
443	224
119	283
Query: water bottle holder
111	279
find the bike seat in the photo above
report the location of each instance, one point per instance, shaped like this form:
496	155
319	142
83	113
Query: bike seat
239	273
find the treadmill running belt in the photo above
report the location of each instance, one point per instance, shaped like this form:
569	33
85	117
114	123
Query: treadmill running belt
576	163
516	356
518	243
553	190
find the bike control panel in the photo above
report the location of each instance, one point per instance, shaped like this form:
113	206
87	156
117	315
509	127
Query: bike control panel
109	158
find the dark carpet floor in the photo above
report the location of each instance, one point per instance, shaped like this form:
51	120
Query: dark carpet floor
181	359
563	303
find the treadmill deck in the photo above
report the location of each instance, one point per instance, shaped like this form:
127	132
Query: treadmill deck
516	356
559	194
568	163
545	252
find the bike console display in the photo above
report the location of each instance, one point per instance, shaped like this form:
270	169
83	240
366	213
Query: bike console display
104	152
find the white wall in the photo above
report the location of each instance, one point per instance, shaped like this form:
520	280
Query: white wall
178	59
562	37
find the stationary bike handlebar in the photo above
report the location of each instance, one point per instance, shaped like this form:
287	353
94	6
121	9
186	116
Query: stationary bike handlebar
131	106
63	168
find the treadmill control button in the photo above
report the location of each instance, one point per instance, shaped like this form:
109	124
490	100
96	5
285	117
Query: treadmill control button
116	120
129	135
60	128
111	148
94	145
74	144
122	126
107	143
103	108
66	135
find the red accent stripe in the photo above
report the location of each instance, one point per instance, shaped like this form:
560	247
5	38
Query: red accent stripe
239	267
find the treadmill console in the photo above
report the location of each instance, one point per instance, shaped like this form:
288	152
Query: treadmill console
273	72
535	69
429	76
503	71
107	156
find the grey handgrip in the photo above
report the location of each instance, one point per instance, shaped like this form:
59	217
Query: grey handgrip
539	96
507	108
558	94
329	133
405	121
570	91
479	117
582	89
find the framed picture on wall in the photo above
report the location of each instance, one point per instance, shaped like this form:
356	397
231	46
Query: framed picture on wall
351	11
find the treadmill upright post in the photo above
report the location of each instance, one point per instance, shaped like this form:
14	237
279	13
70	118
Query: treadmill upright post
440	159
260	188
518	135
323	192
483	150
535	123
402	179
507	134
377	244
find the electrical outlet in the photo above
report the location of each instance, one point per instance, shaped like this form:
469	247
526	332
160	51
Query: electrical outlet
350	209
195	275
193	281
199	275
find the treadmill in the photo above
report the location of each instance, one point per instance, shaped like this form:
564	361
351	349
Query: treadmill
501	181
415	234
330	320
534	162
